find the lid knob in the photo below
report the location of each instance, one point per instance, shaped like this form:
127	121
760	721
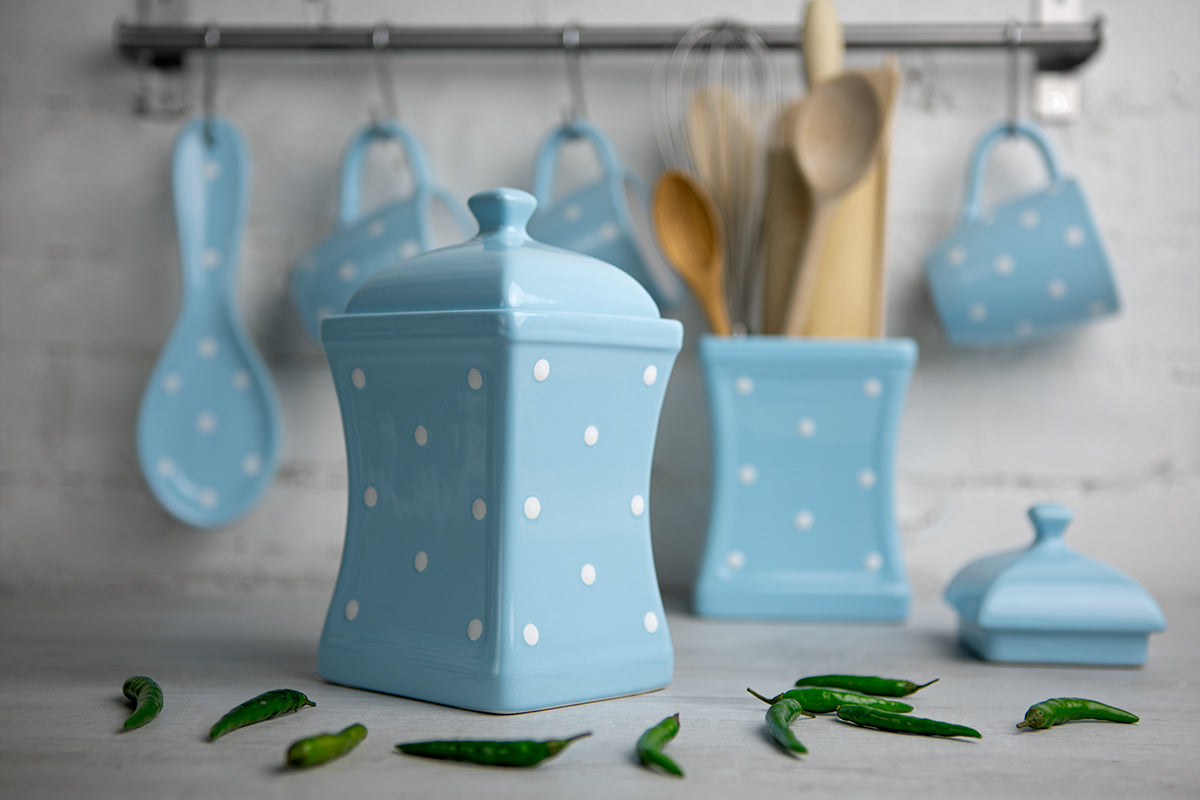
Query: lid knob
502	210
1049	521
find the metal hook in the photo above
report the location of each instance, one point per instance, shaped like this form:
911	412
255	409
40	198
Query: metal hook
380	39
570	41
1013	34
212	40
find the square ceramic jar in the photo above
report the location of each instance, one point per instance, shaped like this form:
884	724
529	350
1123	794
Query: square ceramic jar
500	401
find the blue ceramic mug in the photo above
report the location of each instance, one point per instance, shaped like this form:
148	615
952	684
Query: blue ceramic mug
608	219
325	278
1031	267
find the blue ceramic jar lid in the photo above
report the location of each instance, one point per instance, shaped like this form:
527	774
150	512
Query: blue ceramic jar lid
503	268
1050	587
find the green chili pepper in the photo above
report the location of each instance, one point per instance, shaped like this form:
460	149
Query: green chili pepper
652	741
147	699
523	753
826	701
867	684
779	722
267	705
324	746
902	723
1057	710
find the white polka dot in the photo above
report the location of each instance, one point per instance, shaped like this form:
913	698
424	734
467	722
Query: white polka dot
241	380
1074	236
591	435
324	312
172	383
251	464
479	508
572	213
351	610
608	232
370	496
212	170
533	507
1025	328
866	478
420	561
977	312
803	520
358	378
166	467
541	370
735	559
1004	265
212	258
375	229
409	248
474	629
650	375
421	435
650	622
530	634
206	347
956	256
1097	308
474	379
637	505
806	427
208	498
1030	218
346	271
206	422
743	385
587	574
747	474
1057	289
873	561
872	387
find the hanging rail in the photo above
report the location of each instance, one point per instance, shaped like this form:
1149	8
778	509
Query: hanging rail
1059	47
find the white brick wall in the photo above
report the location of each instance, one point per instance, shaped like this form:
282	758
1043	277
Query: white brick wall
1107	420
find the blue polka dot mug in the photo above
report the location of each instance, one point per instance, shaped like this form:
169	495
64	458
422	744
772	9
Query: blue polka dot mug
1031	267
323	280
608	219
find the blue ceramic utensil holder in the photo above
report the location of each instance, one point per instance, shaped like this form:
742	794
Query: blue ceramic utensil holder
1048	604
500	400
802	524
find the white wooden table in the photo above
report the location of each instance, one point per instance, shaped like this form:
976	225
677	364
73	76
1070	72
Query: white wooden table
62	663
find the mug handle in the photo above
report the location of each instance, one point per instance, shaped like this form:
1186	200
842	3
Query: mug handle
1031	132
356	150
547	157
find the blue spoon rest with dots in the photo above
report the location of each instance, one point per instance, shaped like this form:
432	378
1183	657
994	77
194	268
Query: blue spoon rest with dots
208	427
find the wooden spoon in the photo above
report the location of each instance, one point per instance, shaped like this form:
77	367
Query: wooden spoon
690	233
837	135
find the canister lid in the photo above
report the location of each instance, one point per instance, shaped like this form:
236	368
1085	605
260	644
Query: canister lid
1050	587
503	268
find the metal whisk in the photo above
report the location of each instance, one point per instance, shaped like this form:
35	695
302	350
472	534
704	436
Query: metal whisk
712	98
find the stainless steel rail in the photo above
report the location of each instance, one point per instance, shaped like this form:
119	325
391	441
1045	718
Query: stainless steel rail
1056	47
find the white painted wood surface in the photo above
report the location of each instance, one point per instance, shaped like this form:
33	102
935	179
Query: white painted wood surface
63	662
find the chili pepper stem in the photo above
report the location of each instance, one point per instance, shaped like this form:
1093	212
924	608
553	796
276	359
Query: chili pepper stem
767	700
923	685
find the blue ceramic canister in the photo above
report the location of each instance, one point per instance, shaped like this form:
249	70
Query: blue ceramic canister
500	400
802	522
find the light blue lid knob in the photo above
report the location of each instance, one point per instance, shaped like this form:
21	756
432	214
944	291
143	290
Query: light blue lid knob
502	210
1049	521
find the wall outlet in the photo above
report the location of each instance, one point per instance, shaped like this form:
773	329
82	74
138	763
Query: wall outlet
1057	97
